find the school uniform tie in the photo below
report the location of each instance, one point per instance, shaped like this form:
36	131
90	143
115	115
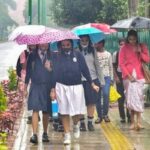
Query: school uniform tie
43	57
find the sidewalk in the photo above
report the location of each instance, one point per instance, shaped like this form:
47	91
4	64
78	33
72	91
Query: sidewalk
106	136
88	140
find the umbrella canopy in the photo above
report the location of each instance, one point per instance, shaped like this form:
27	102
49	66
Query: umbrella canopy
132	23
101	26
95	34
50	35
27	30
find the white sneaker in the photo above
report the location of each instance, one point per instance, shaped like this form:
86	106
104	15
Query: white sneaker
67	138
76	131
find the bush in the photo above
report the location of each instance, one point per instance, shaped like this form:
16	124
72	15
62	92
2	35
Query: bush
3	99
12	85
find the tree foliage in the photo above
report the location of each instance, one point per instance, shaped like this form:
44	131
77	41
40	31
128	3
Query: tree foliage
113	10
141	7
5	19
83	11
75	11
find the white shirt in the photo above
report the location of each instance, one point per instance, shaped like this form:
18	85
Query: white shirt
105	61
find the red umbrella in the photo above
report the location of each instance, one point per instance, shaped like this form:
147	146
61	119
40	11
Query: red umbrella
101	26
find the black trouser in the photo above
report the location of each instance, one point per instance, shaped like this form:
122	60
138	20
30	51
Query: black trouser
121	101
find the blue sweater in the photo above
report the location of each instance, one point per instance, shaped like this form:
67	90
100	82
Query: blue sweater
36	71
69	68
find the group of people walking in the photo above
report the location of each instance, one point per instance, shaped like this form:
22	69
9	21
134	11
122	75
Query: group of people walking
80	79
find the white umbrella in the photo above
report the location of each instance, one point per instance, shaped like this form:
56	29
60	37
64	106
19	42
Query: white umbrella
27	30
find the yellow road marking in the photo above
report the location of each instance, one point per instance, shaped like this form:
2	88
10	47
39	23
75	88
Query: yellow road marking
116	139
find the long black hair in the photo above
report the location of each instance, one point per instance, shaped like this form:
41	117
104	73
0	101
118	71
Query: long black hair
132	33
90	47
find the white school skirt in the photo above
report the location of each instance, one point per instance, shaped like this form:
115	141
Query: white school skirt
71	99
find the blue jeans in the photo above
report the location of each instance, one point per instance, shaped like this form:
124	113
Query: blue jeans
102	109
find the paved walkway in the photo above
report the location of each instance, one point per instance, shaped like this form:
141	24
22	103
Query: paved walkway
114	135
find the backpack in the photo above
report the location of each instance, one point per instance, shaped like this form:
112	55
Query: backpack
19	65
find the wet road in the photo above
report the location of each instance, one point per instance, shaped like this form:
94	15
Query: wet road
9	52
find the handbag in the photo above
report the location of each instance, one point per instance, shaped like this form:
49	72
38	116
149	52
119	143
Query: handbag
113	95
146	73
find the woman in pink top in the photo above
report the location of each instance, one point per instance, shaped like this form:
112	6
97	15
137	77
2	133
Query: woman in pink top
131	56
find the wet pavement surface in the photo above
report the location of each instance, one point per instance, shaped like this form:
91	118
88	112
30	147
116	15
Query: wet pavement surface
97	140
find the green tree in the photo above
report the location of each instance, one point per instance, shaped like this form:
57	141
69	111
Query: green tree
5	19
144	8
113	10
72	12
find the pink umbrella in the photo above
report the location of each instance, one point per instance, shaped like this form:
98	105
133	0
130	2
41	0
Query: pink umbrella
50	35
26	30
101	26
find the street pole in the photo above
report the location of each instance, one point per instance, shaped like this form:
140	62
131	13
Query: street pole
30	11
39	11
44	12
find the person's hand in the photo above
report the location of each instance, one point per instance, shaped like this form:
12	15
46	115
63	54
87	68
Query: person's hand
53	94
111	82
47	65
95	87
117	79
139	49
24	65
131	78
25	92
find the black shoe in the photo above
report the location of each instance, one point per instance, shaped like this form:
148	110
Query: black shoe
90	126
123	121
82	127
98	120
34	139
106	118
60	128
45	137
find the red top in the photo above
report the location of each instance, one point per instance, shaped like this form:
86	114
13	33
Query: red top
129	60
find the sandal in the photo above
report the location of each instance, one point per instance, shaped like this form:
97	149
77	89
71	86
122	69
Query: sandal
106	119
98	120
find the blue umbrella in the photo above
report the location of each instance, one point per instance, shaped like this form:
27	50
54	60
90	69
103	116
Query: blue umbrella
94	34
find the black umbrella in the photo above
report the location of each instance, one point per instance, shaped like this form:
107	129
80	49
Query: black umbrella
132	23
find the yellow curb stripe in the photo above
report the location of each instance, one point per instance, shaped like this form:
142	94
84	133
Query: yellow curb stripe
116	139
